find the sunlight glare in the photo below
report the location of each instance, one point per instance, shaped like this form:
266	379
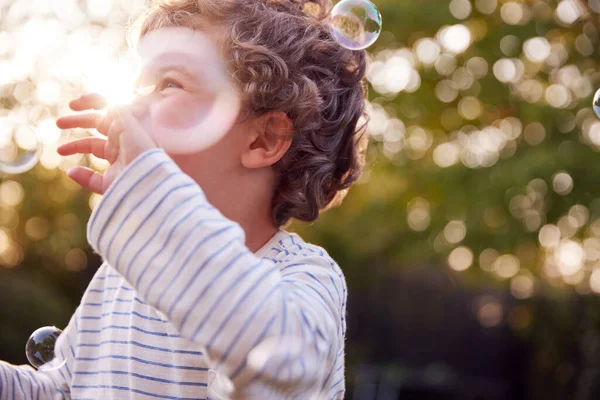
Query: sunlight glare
114	79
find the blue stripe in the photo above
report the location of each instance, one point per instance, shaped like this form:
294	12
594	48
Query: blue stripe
37	385
301	379
173	254
336	289
256	342
125	313
135	391
140	376
224	292
310	329
31	388
121	200
66	365
159	227
150	214
314	278
60	370
146	346
239	333
132	327
322	299
167	240
292	239
329	374
70	345
20	383
239	302
140	360
198	270
148	195
294	265
337	383
287	353
209	285
185	262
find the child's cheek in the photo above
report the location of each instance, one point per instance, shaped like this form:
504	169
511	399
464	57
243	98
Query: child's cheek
180	111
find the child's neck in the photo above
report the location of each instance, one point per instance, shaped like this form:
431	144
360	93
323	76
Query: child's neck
252	215
247	202
243	196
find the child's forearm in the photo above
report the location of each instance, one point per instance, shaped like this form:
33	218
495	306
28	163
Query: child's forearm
23	382
183	257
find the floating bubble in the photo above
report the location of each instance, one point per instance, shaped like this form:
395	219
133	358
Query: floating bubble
22	155
40	349
596	103
186	70
355	24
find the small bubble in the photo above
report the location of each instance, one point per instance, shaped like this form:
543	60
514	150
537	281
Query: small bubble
596	103
25	155
355	24
40	349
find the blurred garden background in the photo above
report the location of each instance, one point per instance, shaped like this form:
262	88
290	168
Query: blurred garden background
471	245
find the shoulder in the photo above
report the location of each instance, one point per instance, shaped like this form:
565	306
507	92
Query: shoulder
293	256
289	248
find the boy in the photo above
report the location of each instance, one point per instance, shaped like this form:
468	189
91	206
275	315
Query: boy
202	294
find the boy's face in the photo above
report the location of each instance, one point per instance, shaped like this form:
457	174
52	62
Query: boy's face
188	103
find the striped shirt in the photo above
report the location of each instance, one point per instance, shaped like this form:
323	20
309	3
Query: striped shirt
182	309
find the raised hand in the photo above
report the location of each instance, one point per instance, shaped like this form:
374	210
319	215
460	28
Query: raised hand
125	139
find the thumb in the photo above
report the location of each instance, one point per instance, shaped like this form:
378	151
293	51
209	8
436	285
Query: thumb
129	117
135	138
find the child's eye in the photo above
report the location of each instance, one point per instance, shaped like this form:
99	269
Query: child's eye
169	84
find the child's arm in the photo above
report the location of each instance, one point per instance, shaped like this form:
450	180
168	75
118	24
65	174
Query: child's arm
22	382
186	259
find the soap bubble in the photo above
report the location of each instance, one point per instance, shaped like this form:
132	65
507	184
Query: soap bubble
211	109
21	153
40	349
355	24
596	103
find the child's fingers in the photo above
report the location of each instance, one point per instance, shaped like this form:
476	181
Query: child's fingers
128	118
131	124
88	145
113	142
106	122
91	101
87	179
84	121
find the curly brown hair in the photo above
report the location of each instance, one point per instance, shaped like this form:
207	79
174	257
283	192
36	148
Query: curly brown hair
282	57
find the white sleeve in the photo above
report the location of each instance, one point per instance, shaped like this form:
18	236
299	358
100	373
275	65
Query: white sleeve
183	257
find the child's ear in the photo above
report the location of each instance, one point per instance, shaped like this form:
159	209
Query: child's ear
268	141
